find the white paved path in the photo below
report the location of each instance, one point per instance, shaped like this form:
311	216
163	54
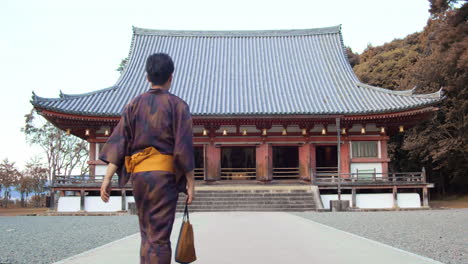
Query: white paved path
260	237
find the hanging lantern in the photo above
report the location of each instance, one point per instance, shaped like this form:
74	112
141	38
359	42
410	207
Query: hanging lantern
304	131
68	131
382	130
402	129
324	131
106	132
244	132
224	132
205	132
363	130
343	131
87	132
264	132
284	132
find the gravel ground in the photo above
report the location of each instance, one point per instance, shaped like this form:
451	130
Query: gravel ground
438	234
47	239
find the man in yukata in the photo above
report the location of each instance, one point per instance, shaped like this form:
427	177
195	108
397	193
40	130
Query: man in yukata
153	146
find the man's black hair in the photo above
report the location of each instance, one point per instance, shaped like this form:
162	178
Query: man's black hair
159	67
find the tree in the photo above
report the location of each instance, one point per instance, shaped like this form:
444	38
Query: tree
9	177
353	58
33	179
386	66
122	65
434	58
443	141
64	154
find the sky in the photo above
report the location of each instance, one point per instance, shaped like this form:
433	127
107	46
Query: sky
75	46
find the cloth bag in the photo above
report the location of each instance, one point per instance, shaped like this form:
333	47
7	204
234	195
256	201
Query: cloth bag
185	250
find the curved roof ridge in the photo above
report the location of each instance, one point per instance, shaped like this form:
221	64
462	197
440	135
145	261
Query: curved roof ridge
410	92
66	96
238	33
63	96
440	94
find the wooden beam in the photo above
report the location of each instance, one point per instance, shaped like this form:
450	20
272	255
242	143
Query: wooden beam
92	157
345	157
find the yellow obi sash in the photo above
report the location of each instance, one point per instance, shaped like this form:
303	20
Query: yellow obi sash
149	159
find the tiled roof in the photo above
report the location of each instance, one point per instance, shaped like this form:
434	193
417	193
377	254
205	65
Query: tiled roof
268	72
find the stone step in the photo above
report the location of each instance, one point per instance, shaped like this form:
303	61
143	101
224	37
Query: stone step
203	209
249	200
253	191
250	210
247	206
252	195
258	201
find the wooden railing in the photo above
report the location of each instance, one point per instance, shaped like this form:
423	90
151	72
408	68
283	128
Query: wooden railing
199	174
327	169
286	173
238	173
370	177
81	179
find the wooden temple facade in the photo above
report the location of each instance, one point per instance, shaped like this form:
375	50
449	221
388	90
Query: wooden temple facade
268	107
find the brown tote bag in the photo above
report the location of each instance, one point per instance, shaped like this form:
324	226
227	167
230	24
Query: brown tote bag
185	250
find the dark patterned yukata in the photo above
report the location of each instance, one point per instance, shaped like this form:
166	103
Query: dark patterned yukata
162	120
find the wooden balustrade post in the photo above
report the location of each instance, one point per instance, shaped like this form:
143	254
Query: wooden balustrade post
395	196
353	198
82	200
124	199
425	197
423	175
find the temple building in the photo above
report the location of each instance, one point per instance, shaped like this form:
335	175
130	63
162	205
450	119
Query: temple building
269	108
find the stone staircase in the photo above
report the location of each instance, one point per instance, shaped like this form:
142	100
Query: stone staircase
287	198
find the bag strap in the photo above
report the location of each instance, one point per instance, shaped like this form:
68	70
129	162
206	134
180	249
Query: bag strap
186	212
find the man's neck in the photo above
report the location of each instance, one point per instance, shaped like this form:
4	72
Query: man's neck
159	87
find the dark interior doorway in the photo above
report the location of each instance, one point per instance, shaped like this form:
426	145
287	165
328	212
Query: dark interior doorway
199	171
285	162
326	159
238	163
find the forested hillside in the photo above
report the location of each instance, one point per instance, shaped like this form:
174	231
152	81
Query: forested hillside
429	60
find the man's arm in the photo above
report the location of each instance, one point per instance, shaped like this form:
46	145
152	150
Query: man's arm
107	182
190	186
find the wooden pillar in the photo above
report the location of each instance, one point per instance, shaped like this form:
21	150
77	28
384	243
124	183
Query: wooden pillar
124	199
313	161
395	197
345	157
264	163
425	197
384	156
353	198
92	158
82	200
213	164
304	162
